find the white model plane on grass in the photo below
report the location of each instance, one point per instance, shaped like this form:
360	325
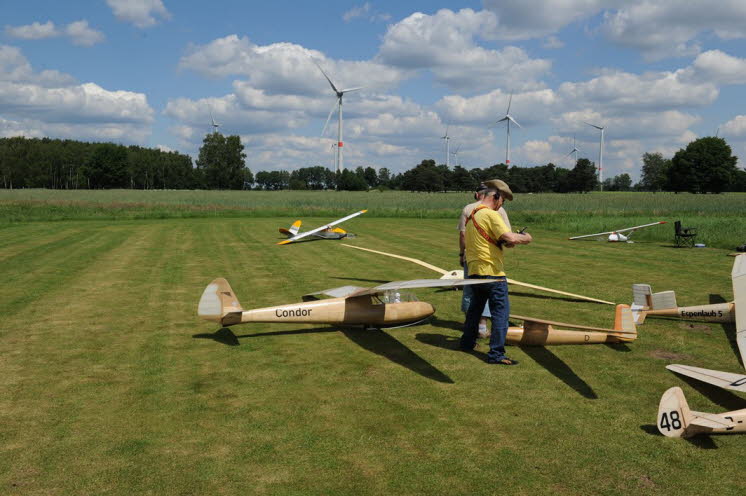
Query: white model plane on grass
617	236
675	419
325	232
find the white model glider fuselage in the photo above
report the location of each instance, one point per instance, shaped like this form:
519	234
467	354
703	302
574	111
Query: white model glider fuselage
617	236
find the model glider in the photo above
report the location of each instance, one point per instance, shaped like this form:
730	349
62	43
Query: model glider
459	274
675	419
387	305
673	403
325	232
617	236
646	303
382	305
537	332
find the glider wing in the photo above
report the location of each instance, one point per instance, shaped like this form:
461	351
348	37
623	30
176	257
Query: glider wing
725	380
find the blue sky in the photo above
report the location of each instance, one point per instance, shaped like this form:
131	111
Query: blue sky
656	74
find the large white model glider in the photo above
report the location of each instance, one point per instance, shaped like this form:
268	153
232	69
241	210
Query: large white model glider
617	236
674	417
325	231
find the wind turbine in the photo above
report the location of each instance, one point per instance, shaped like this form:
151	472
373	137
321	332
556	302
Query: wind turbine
600	155
574	150
455	153
340	94
448	139
214	124
508	118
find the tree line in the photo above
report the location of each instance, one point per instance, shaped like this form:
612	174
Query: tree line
705	165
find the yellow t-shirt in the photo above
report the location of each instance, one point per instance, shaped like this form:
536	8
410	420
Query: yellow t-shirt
482	257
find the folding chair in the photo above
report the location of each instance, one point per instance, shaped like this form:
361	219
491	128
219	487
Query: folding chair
684	235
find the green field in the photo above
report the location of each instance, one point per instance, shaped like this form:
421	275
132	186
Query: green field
109	383
718	218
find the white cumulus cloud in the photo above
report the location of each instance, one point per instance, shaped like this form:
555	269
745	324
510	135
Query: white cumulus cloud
141	13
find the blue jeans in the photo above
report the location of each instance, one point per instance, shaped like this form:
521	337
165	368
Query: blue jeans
496	294
466	297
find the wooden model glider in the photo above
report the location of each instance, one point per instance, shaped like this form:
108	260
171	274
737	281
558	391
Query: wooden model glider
383	305
646	303
325	232
459	274
674	417
386	305
617	236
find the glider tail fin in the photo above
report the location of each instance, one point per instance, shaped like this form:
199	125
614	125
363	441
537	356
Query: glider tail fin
219	303
643	296
624	323
674	415
292	230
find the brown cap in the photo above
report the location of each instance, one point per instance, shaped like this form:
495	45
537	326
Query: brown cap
500	186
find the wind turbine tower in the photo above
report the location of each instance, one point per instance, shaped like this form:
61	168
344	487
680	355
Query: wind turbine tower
448	139
214	124
574	150
600	155
508	119
340	94
455	154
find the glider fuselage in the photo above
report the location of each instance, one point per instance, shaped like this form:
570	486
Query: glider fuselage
346	311
716	312
537	335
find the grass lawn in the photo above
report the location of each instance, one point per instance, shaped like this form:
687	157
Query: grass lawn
110	384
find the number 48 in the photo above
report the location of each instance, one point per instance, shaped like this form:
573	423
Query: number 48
671	420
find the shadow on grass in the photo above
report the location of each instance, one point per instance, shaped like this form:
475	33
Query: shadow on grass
373	340
621	347
383	344
448	343
717	395
227	337
702	442
729	328
560	370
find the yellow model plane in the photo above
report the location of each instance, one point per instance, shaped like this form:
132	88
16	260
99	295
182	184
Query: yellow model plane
327	231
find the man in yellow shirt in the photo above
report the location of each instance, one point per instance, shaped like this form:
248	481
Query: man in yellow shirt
486	236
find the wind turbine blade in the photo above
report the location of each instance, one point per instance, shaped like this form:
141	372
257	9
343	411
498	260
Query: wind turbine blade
327	77
593	125
510	100
329	117
513	121
352	89
506	118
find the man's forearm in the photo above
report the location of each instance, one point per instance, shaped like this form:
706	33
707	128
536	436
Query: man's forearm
516	238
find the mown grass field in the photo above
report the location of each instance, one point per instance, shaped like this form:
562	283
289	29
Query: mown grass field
718	218
109	384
